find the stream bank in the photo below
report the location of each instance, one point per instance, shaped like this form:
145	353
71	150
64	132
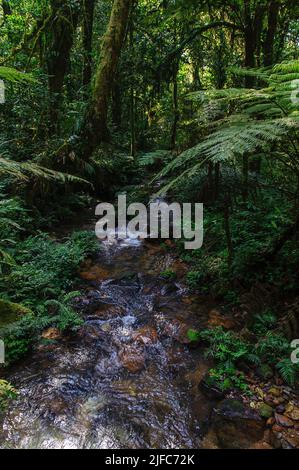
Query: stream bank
130	378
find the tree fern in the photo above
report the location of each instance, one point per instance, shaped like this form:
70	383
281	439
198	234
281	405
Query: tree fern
253	121
27	170
14	76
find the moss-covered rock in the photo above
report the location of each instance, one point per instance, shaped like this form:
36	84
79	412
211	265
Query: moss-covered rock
265	411
265	372
10	312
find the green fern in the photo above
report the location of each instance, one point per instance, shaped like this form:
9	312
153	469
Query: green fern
14	76
246	122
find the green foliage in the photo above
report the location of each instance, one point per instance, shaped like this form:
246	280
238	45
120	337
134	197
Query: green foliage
229	352
45	268
264	322
288	371
193	335
14	76
153	158
254	121
224	346
227	378
44	273
273	347
168	274
7	393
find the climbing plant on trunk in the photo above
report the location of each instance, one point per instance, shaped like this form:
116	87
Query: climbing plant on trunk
95	129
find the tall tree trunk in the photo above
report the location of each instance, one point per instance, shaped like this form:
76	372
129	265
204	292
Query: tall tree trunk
6	8
88	17
176	114
116	104
65	19
132	93
249	42
228	235
245	188
96	129
273	13
260	12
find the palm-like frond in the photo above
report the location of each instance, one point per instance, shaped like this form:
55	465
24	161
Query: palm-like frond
25	171
254	120
14	76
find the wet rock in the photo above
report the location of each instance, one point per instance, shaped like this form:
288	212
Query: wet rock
270	421
210	441
108	311
146	335
195	377
179	268
177	330
91	332
58	406
275	392
236	426
217	319
95	273
290	440
125	277
262	445
292	412
211	390
265	411
280	409
265	372
132	358
51	334
284	421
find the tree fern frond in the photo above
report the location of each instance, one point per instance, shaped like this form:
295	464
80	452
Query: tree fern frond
23	172
289	66
14	76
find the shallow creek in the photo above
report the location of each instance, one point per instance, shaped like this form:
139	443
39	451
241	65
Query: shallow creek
129	378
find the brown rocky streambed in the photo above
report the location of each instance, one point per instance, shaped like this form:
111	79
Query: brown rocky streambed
130	377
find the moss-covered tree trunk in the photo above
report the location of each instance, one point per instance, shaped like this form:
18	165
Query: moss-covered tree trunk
273	14
96	128
88	17
61	35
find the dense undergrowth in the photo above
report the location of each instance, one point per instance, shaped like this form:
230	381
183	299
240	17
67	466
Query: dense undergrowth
39	273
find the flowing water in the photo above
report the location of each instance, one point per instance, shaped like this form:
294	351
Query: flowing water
129	378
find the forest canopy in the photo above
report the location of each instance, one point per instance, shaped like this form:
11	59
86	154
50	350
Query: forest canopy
183	100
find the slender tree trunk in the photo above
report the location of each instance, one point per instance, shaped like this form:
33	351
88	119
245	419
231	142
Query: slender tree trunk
6	8
65	19
132	92
273	13
258	28
96	127
249	42
176	114
211	181
245	189
217	180
116	103
88	17
228	235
